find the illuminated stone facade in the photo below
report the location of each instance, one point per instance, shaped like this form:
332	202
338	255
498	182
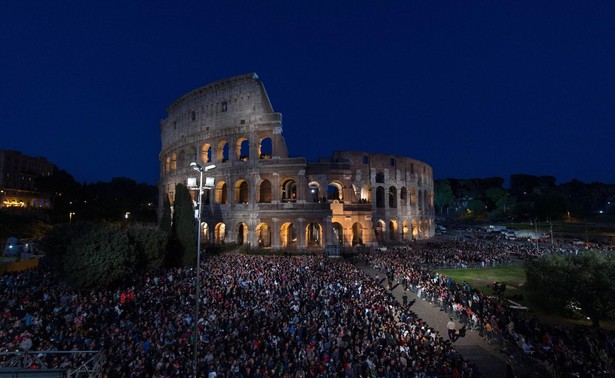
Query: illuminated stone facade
18	174
265	198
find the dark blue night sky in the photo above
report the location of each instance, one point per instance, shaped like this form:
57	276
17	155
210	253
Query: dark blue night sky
473	88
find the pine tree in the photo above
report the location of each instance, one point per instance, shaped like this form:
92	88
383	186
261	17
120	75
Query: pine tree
183	230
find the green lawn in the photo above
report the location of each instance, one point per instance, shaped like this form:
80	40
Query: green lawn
514	277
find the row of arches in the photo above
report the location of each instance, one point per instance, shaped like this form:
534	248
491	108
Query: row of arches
394	231
218	152
289	235
412	198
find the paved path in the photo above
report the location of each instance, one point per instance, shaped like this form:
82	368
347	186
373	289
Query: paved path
489	360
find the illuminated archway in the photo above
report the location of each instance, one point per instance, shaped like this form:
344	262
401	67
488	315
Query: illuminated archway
366	193
314	191
357	234
242	149
380	230
221	193
289	190
265	148
206	153
241	193
242	233
222	153
263	235
288	235
415	229
404	231
393	230
220	233
313	233
334	191
264	192
338	231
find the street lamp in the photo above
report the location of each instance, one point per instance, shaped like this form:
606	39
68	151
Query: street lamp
197	215
70	217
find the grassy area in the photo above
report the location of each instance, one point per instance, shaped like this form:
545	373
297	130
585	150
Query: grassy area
514	277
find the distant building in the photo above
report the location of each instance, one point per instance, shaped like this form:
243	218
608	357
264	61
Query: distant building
265	198
18	174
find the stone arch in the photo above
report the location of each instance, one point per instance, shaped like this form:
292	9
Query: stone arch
366	193
338	231
421	199
288	190
204	233
220	233
263	235
380	197
404	231
167	164
264	192
206	153
221	197
240	191
393	230
241	233
415	229
313	235
173	162
288	235
265	148
403	197
335	191
314	191
222	151
392	197
380	230
357	234
412	196
242	149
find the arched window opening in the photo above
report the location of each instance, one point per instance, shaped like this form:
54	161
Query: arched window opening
173	162
220	233
404	231
265	192
313	235
222	151
392	231
334	191
288	235
357	234
415	230
314	191
265	149
241	192
403	196
392	197
366	194
243	149
206	153
338	231
242	234
221	193
380	197
380	229
263	235
421	199
289	191
412	197
380	177
204	233
167	165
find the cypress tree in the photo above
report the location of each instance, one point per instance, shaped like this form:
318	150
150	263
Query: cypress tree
183	230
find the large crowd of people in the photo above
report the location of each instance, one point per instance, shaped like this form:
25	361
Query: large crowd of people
291	316
294	316
560	351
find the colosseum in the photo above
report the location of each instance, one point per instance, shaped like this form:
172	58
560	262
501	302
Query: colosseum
262	197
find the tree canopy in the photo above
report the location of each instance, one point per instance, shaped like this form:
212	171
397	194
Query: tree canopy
586	280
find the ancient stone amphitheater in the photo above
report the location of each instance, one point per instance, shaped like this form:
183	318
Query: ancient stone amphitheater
264	198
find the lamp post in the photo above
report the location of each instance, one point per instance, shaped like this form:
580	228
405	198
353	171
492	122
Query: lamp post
197	215
70	217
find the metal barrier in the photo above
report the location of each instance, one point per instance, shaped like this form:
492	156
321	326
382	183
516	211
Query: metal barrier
87	363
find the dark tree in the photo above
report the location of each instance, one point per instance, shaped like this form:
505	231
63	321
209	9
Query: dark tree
587	280
183	233
100	258
165	219
151	246
443	195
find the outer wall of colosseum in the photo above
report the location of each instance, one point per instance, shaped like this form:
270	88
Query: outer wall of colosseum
262	197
